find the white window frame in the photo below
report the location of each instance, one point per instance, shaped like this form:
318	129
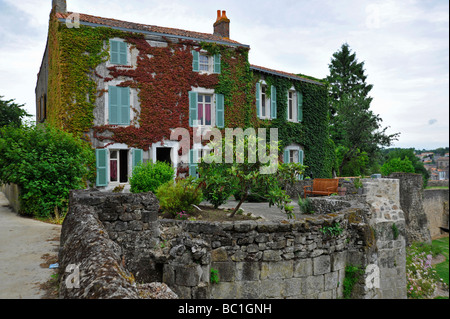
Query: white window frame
203	91
292	116
295	147
118	148
210	64
267	102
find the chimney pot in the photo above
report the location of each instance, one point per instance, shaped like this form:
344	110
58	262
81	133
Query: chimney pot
218	15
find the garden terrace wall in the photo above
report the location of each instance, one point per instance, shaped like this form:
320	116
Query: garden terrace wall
254	259
435	204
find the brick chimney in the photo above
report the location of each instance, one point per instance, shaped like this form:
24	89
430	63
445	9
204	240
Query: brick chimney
59	6
222	25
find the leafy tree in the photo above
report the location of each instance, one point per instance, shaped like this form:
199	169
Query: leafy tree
11	113
409	153
46	163
353	125
243	174
396	165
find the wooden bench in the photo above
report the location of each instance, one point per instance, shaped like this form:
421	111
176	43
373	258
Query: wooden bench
322	186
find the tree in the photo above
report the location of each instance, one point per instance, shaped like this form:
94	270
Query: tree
396	165
46	163
353	125
243	174
409	153
11	113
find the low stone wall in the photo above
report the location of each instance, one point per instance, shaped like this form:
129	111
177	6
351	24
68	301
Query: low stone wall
112	236
438	183
12	193
94	266
435	203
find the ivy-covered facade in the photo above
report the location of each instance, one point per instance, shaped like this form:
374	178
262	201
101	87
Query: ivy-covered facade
125	87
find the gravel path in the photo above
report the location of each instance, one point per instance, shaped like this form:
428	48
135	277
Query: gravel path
23	244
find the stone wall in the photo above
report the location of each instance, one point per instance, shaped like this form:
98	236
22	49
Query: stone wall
12	193
411	202
254	259
435	203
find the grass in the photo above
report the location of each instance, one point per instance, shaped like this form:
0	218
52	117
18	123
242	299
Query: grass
442	269
436	187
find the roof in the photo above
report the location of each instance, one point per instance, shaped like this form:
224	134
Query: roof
283	74
95	21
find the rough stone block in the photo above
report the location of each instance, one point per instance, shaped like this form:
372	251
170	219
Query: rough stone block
303	268
248	271
313	285
277	270
321	265
226	270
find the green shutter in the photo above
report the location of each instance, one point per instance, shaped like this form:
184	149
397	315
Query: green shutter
123	53
119	105
299	106
119	52
124	106
193	108
114	54
113	97
138	156
102	167
273	102
193	156
220	110
217	65
286	156
300	160
258	99
195	61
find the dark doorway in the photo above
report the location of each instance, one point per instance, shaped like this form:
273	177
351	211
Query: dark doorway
163	155
123	166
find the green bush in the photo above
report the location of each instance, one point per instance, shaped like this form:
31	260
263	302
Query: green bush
216	184
147	177
179	196
396	165
46	163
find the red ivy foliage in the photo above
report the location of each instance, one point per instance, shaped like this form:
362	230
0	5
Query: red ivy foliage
163	77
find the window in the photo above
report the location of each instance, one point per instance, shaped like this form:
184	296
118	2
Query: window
113	165
206	109
291	107
119	105
294	154
266	106
203	62
118	52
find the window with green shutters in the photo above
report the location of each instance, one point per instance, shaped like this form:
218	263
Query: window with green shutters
119	105
202	62
258	99
201	109
118	52
102	167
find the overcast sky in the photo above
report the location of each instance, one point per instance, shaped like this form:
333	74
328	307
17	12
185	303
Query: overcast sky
404	44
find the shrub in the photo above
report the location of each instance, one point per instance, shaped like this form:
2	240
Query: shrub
396	165
178	197
147	177
216	185
46	163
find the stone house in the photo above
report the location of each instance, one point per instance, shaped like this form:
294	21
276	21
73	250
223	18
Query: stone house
125	87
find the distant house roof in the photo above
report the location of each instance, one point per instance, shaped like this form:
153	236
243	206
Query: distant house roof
283	74
95	21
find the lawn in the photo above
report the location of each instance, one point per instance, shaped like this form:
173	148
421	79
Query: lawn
441	245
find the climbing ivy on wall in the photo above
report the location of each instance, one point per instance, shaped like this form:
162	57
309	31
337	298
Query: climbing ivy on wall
74	53
312	132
